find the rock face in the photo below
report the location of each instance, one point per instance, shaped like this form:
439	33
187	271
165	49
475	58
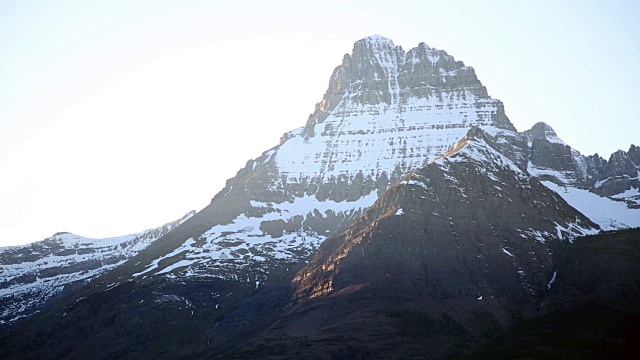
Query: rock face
34	274
606	191
620	177
379	72
548	151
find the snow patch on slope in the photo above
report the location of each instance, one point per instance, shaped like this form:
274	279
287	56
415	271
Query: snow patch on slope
155	263
607	213
553	279
540	172
373	139
243	240
32	274
484	155
307	204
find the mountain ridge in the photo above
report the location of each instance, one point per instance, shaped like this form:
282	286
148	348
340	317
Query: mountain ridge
32	274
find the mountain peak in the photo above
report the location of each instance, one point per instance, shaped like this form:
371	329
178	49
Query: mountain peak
378	39
376	53
542	131
60	233
542	126
383	78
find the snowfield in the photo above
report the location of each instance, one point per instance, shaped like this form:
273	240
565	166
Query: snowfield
608	213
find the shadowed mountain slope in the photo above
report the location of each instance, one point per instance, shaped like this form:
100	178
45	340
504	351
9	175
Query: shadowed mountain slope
451	255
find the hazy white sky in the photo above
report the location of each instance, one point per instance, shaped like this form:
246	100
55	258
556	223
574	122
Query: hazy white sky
117	116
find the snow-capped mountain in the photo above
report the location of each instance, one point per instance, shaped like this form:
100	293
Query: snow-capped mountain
386	112
427	196
31	275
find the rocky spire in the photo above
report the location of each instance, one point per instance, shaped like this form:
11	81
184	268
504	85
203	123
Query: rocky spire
378	72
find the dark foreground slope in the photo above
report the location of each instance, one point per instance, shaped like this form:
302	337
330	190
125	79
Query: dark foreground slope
593	308
151	318
599	321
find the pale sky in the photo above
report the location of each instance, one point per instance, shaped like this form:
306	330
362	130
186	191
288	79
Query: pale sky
118	116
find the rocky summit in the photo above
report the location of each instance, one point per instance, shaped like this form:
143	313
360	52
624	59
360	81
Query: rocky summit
407	218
